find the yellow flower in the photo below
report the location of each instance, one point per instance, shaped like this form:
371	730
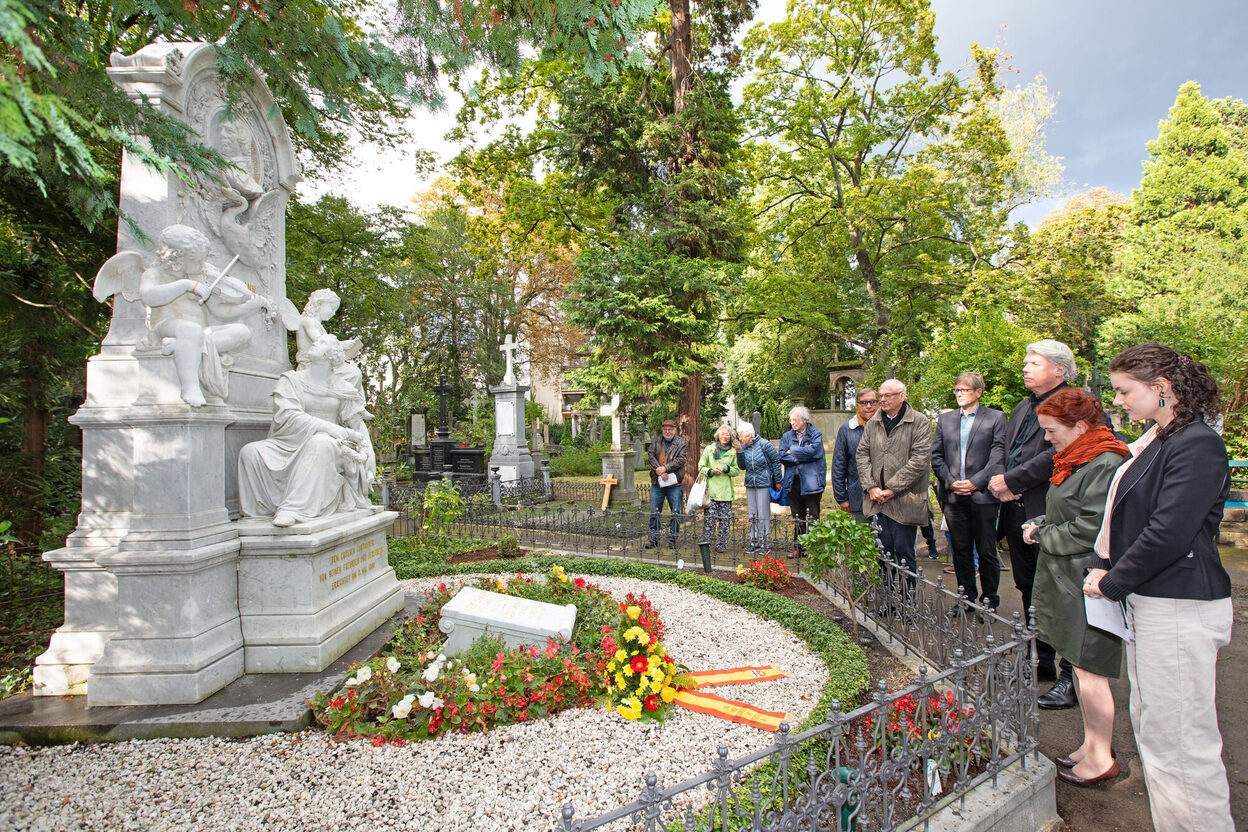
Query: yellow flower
499	585
634	612
740	569
654	661
667	694
621	656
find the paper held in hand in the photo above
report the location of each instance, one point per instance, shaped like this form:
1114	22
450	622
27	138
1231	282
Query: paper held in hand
667	480
1107	615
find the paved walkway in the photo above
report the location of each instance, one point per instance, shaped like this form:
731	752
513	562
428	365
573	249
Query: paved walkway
1122	806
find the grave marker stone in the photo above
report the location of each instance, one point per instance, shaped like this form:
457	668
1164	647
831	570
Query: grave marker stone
519	621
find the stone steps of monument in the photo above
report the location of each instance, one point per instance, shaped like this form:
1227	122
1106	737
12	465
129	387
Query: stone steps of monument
1235	514
1233	534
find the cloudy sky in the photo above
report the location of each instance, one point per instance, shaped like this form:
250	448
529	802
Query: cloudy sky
1114	66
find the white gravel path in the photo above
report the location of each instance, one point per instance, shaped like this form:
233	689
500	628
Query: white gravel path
513	778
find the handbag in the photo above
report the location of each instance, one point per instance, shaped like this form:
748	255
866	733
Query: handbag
697	495
778	496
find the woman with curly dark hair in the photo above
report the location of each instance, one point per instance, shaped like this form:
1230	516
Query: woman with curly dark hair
1161	523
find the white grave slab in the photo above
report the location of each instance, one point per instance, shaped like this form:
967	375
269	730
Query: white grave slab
519	621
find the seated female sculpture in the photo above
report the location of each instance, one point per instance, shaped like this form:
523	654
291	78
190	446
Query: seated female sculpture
318	458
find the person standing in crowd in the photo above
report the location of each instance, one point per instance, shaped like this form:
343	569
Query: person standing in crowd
760	461
968	449
667	456
1048	367
719	463
846	487
893	465
1159	538
1086	455
805	472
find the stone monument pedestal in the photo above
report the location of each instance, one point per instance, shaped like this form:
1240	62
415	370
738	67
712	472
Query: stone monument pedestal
310	592
511	448
619	464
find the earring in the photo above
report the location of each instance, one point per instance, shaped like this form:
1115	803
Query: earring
1161	402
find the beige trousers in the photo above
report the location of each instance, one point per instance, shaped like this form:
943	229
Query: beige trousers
1172	667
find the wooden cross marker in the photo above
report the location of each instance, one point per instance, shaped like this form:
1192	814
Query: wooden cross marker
608	481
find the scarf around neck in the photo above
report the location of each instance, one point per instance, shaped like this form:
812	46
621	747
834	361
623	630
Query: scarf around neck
1096	441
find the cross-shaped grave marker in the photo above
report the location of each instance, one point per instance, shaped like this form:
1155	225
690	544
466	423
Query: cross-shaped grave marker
607	481
508	348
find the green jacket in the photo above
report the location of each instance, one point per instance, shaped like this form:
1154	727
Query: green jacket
719	487
1067	532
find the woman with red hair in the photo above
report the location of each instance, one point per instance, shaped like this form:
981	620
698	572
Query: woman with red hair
1087	454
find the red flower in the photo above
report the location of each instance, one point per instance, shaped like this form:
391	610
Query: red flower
608	645
639	664
651	703
580	583
378	742
336	704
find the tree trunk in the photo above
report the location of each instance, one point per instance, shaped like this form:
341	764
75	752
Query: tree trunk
866	267
34	453
689	424
682	53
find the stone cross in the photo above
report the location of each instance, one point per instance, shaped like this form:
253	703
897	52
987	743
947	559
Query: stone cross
508	348
617	422
442	388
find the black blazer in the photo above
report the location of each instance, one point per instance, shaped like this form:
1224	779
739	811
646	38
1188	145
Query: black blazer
1164	521
1030	478
985	453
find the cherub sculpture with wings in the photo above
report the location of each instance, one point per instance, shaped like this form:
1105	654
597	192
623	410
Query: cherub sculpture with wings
193	310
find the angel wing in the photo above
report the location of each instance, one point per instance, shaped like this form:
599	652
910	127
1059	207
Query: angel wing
120	274
290	314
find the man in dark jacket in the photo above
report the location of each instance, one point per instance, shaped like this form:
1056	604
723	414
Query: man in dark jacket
1049	366
667	457
846	487
968	449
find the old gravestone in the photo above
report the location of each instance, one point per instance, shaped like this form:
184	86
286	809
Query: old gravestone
153	570
511	448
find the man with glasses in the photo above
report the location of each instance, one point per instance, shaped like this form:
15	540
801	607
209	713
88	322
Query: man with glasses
894	461
967	451
846	487
667	457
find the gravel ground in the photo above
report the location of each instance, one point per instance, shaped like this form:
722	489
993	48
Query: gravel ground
513	778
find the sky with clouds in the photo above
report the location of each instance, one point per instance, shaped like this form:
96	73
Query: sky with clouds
1113	65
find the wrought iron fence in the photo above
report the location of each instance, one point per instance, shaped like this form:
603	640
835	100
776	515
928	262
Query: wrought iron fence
899	757
25	578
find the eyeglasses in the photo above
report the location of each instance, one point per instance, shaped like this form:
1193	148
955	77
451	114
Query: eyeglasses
891	395
868	402
964	390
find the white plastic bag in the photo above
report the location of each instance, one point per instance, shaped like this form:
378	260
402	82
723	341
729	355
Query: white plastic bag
697	495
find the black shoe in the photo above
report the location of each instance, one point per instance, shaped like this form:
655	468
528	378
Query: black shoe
652	544
932	553
1060	697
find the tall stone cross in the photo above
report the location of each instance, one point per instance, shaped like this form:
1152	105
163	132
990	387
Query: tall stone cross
617	422
508	348
442	388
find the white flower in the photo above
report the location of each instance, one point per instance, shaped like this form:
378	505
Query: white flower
441	658
429	656
450	665
474	687
404	707
363	674
352	682
431	672
680	564
392	664
426	699
470	679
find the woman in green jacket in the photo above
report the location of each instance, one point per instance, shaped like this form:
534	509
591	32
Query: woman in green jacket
719	463
1087	454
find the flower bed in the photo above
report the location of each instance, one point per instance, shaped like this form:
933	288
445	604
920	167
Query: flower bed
411	690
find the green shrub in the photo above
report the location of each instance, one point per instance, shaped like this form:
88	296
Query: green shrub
843	552
509	547
774	424
579	463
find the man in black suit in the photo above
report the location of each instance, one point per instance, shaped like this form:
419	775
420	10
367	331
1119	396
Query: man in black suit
1049	366
968	449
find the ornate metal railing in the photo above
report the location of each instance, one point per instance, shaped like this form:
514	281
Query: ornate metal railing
897	758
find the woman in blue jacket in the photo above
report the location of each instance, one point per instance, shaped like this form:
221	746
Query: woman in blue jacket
805	472
1158	540
760	461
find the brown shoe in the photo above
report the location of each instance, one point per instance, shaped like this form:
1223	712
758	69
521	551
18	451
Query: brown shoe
950	570
1075	780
